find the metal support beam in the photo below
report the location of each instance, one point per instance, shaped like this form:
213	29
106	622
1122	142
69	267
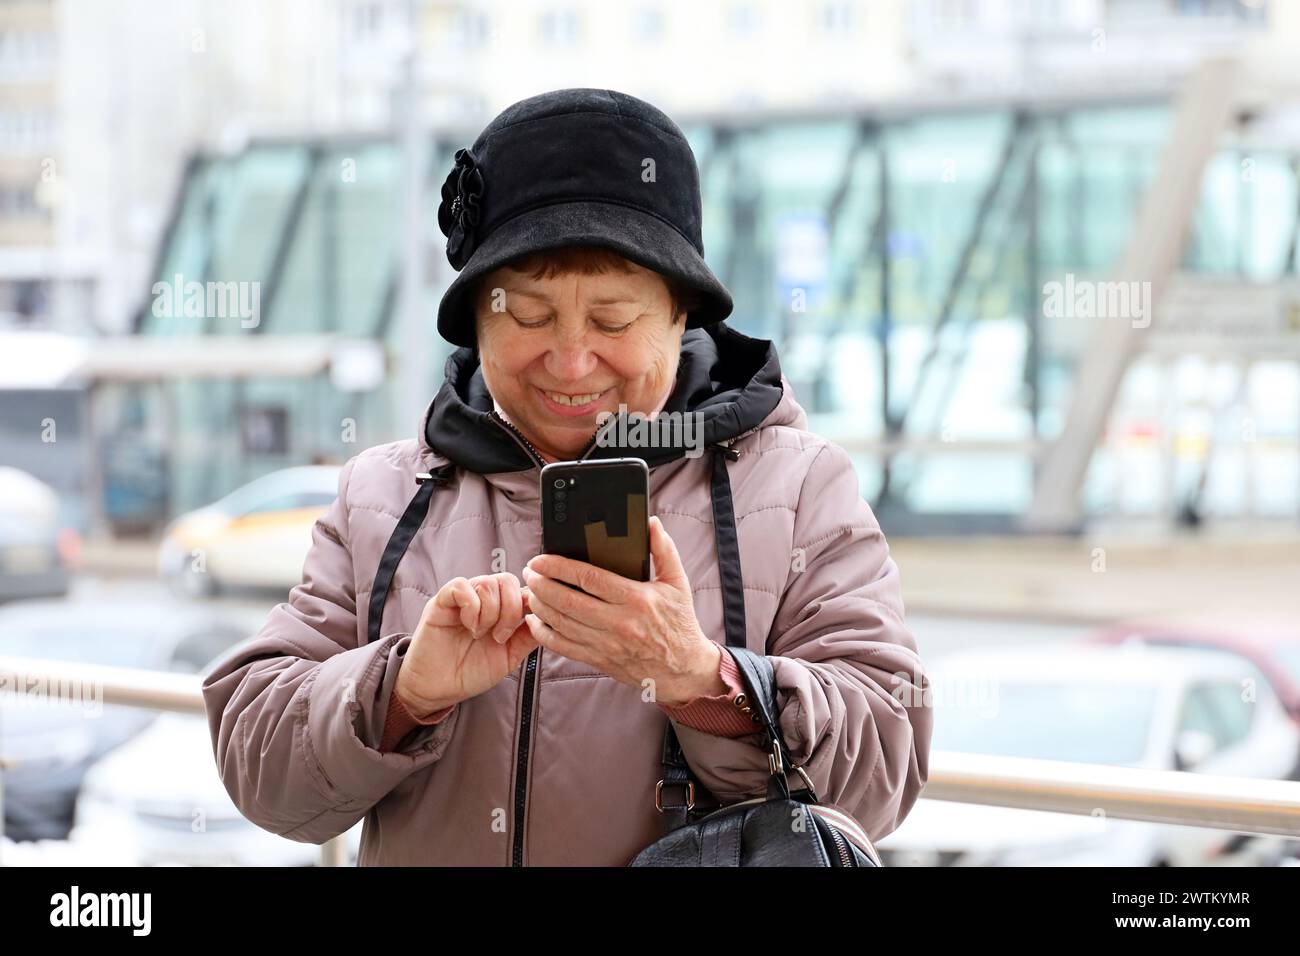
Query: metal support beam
1033	311
957	282
843	290
891	426
1153	252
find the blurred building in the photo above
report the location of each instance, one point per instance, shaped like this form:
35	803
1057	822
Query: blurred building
29	88
104	103
891	189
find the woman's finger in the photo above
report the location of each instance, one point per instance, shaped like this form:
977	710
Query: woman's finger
489	592
447	607
510	609
466	598
575	630
552	640
667	562
520	645
576	604
446	596
597	582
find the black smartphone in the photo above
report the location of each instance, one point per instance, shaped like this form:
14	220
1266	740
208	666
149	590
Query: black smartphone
596	511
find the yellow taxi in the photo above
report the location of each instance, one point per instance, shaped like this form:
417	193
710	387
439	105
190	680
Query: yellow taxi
256	536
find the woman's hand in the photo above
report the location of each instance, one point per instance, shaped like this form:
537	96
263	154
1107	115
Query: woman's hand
471	634
634	631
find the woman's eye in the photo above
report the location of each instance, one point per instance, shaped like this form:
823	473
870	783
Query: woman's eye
531	321
613	329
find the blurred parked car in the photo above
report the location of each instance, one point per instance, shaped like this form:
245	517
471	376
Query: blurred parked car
256	536
1272	646
36	552
1133	706
48	745
157	800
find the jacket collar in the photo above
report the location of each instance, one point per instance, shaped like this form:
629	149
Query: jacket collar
731	381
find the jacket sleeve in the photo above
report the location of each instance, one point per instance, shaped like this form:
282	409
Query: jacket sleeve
850	684
297	712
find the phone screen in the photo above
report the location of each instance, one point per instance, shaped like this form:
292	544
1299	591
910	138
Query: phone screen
597	511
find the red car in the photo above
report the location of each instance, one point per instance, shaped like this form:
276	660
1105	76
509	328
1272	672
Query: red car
1270	643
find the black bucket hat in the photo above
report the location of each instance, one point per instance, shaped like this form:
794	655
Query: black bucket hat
575	167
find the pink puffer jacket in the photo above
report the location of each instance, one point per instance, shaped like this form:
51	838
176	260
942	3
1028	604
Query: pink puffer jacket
557	764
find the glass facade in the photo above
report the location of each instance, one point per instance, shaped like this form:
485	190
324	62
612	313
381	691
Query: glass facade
898	263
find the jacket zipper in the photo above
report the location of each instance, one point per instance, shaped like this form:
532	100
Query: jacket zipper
519	438
531	668
521	764
528	687
527	446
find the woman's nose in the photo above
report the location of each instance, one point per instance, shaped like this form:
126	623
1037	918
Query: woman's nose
570	359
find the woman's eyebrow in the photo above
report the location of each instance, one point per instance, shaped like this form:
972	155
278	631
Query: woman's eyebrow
611	299
540	296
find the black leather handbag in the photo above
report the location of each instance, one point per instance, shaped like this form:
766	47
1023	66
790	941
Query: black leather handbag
785	828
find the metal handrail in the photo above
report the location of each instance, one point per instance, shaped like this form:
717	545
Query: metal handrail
1242	804
128	687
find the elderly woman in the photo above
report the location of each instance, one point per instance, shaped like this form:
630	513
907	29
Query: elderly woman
481	703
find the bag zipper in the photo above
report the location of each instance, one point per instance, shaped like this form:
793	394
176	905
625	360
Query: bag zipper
841	844
850	830
846	859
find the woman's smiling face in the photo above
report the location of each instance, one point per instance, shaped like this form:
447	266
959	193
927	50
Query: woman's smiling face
559	349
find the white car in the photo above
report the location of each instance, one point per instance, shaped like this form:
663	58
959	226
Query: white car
1130	706
256	536
49	745
36	550
157	800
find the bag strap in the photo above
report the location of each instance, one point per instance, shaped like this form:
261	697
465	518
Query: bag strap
760	678
756	669
400	540
728	547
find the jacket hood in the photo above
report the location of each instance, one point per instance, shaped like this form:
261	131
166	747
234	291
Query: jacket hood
731	381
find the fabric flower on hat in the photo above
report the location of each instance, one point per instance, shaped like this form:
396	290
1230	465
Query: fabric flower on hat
461	206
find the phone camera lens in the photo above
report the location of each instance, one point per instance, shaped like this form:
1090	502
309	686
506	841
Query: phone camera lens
561	517
561	495
560	506
559	482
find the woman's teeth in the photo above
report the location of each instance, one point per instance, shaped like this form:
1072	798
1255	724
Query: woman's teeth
561	399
